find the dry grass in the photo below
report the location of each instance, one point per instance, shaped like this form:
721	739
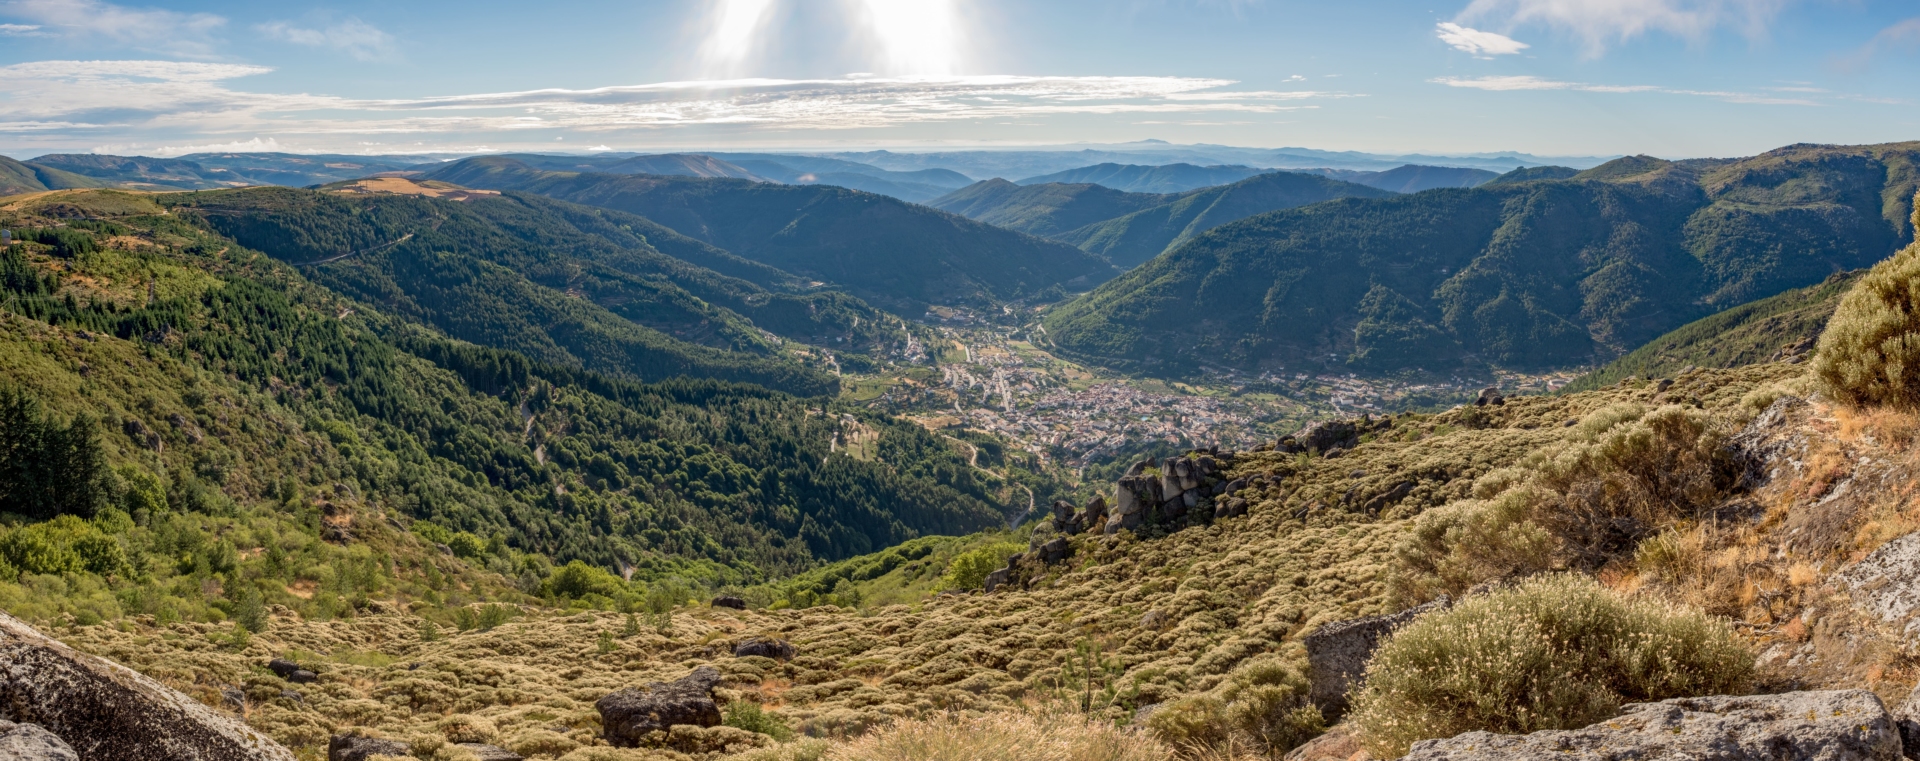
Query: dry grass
1045	736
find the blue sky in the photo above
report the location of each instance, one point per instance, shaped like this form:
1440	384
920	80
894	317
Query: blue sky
1553	77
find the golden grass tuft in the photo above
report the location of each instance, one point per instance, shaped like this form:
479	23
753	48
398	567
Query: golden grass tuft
1044	736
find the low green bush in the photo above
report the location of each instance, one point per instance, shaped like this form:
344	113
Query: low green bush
1869	354
1554	652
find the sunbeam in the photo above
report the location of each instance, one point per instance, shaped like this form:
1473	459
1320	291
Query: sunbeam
731	39
914	37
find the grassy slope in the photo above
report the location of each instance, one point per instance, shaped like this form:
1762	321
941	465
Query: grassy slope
884	250
1137	237
1538	274
1174	614
1748	334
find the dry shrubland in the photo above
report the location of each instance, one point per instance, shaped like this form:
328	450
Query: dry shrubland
1203	621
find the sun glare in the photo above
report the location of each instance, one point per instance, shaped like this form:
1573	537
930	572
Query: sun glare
734	25
914	36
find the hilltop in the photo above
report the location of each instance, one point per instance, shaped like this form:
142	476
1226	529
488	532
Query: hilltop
1134	178
1047	209
1550	273
884	250
1135	238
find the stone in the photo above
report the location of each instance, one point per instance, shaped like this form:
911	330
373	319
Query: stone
355	748
303	676
486	752
1131	496
1063	515
729	601
1906	720
1841	725
1490	395
1337	654
1322	437
1388	498
282	667
1095	516
108	712
628	715
1886	584
1341	743
777	649
1055	551
996	579
31	742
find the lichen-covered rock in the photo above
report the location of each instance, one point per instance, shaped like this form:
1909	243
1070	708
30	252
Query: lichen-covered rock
30	742
357	748
629	715
485	752
108	712
777	649
1886	584
1843	725
1337	654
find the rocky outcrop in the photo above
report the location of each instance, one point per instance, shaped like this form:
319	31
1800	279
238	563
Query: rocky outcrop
357	748
1886	584
729	601
1337	654
1844	725
1761	448
107	712
1490	396
1183	483
291	671
777	649
628	717
29	742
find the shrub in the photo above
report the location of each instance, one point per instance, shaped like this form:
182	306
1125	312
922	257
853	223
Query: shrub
741	714
1555	652
969	570
1263	704
1869	354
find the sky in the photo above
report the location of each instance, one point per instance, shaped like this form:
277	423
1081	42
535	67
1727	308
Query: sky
1670	78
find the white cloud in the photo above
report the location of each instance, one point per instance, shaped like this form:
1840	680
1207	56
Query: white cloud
356	38
1517	83
155	101
21	30
256	145
1599	23
182	34
1479	44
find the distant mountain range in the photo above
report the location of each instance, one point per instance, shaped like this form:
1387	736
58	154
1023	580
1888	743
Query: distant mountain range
1130	228
879	248
1413	178
1035	162
1526	273
1135	178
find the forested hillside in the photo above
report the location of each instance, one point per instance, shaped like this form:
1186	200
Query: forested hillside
17	177
1552	273
219	381
882	249
1135	178
1134	238
1046	209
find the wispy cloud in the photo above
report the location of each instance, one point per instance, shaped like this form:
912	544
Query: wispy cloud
1519	83
1478	43
21	30
187	35
1905	34
1599	23
356	38
202	103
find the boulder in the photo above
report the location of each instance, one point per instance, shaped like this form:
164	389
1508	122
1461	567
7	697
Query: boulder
1131	496
30	742
108	712
729	601
1094	517
996	579
355	748
1886	584
777	649
1843	725
627	716
1490	395
1063	515
1388	498
1324	436
1341	743
486	752
1055	551
1337	654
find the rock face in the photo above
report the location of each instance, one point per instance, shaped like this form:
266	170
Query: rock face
1140	497
1337	654
108	712
776	649
29	742
1886	584
629	715
1845	725
352	748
